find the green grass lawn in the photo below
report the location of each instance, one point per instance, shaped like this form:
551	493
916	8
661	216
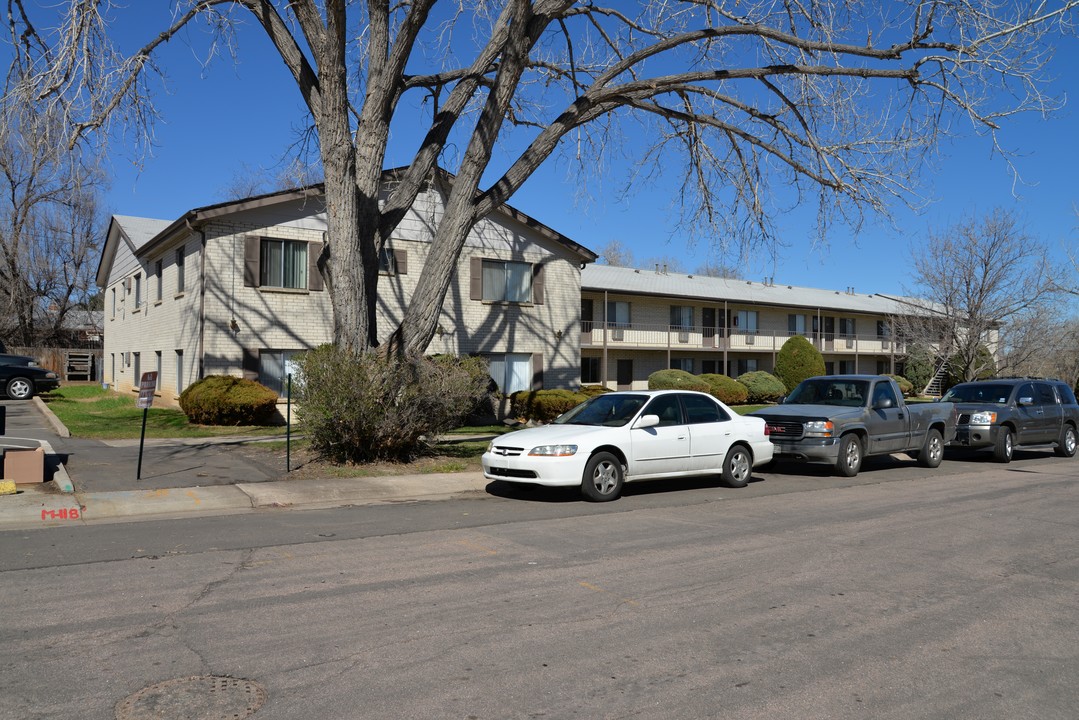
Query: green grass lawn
89	411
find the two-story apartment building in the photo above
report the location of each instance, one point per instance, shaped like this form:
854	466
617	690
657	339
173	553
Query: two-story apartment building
233	288
635	322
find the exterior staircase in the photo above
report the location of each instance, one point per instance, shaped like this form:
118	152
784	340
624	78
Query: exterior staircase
937	383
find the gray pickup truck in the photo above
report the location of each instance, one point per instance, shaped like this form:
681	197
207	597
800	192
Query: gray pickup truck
841	419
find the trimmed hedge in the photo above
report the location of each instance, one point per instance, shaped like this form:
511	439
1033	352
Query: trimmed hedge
544	405
726	389
763	387
677	380
798	360
228	400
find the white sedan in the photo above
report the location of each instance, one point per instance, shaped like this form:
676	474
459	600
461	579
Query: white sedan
621	437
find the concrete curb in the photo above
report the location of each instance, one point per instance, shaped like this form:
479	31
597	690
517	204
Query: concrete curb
50	416
40	506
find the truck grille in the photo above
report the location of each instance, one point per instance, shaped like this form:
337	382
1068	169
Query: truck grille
785	429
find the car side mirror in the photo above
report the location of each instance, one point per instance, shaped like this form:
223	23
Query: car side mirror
1026	401
646	421
883	404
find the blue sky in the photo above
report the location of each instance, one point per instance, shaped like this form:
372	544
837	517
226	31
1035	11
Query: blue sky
218	120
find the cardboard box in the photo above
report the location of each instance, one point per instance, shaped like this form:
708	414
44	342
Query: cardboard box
24	466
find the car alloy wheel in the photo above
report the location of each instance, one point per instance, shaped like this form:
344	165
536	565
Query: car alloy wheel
19	389
737	467
603	478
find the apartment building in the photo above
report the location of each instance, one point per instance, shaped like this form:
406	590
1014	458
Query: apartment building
636	321
233	288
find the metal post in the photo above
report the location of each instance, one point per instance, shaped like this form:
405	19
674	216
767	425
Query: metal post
142	440
288	426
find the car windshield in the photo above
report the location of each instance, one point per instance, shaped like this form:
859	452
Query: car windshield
979	393
850	393
610	410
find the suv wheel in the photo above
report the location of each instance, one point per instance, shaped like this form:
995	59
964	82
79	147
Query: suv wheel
1067	442
1005	447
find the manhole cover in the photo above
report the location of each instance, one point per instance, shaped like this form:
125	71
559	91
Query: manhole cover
202	697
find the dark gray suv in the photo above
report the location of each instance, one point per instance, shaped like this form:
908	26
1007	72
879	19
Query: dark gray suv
1007	412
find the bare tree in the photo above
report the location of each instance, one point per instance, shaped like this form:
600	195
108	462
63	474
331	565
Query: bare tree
48	229
983	285
839	100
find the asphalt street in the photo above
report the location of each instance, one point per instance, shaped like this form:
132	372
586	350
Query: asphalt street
900	593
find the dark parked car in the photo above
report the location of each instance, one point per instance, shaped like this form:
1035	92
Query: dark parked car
21	377
1007	412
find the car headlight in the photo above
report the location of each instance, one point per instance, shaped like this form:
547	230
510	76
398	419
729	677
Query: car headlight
983	418
819	428
553	450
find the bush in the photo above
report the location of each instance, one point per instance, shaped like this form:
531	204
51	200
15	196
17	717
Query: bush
762	387
593	390
543	405
676	380
228	400
983	363
919	366
360	408
905	386
798	360
726	389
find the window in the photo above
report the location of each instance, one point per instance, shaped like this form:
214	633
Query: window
511	372
157	277
393	262
157	367
746	321
113	303
796	325
587	314
179	271
702	410
274	368
846	327
1045	394
682	364
681	317
667	408
283	264
507	281
112	369
883	391
179	371
618	318
711	367
847	367
137	369
590	370
138	292
884	329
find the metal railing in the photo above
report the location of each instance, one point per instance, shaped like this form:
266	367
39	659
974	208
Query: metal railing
662	337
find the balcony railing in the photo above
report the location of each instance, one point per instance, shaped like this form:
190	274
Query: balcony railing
662	337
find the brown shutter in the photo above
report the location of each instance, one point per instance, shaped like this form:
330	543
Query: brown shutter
250	364
400	261
475	278
537	284
537	371
314	277
251	260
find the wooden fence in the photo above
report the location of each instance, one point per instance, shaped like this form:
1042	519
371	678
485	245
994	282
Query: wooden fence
71	364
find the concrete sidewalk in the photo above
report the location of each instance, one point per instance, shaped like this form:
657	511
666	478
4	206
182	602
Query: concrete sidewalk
180	477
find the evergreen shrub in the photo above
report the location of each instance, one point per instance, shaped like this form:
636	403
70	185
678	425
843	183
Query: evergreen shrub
543	405
228	400
676	380
798	360
762	387
905	386
726	389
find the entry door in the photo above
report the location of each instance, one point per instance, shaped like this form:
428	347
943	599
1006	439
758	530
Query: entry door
708	320
587	317
624	374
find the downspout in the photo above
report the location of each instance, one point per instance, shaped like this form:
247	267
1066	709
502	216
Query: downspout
200	352
606	330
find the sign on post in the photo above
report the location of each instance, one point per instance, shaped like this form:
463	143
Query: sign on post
147	386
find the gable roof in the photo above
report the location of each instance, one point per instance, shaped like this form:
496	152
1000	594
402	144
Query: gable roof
146	234
630	281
